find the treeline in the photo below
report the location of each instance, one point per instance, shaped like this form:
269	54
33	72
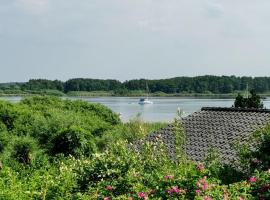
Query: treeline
199	84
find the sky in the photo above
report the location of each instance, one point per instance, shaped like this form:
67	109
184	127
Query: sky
131	39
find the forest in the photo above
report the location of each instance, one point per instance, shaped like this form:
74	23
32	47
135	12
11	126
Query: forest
196	85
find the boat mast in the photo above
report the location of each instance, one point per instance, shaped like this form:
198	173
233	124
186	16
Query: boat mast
147	90
247	92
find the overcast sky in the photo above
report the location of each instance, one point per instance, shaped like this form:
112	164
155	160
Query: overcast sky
127	39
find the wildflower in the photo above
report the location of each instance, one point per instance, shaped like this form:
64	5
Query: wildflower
176	189
252	179
200	167
198	192
241	198
106	198
141	195
202	184
205	186
109	187
170	191
207	198
167	177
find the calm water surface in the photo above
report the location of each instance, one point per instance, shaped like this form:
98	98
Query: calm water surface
162	109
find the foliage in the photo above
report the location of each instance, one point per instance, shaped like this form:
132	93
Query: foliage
50	120
255	155
43	84
72	141
4	140
7	115
131	131
184	85
60	149
23	150
253	101
260	186
91	85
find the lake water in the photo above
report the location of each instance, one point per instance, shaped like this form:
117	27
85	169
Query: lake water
162	109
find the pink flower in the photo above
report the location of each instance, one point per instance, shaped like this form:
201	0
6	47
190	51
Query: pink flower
252	179
207	198
176	189
202	184
170	191
109	187
200	167
106	198
241	198
167	177
141	195
205	186
198	192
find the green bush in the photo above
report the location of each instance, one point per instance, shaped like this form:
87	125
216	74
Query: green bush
131	131
4	140
72	141
260	185
253	101
7	114
45	118
255	155
23	150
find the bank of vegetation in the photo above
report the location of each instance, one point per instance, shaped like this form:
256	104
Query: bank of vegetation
211	86
62	149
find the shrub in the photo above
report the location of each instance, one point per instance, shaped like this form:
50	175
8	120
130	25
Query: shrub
23	150
7	114
254	101
260	185
4	140
72	141
255	155
131	131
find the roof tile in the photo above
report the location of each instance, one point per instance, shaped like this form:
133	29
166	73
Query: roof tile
215	127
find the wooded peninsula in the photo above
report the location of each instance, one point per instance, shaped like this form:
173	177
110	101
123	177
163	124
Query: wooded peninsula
178	86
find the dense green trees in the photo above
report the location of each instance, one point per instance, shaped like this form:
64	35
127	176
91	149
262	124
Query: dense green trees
91	85
252	101
199	84
38	84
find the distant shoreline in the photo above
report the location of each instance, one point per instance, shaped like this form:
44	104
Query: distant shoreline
110	94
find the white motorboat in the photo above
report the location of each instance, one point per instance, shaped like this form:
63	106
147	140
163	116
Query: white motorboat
144	101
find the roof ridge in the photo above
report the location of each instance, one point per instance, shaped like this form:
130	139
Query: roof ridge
233	109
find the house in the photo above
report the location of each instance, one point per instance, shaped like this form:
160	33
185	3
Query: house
216	128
